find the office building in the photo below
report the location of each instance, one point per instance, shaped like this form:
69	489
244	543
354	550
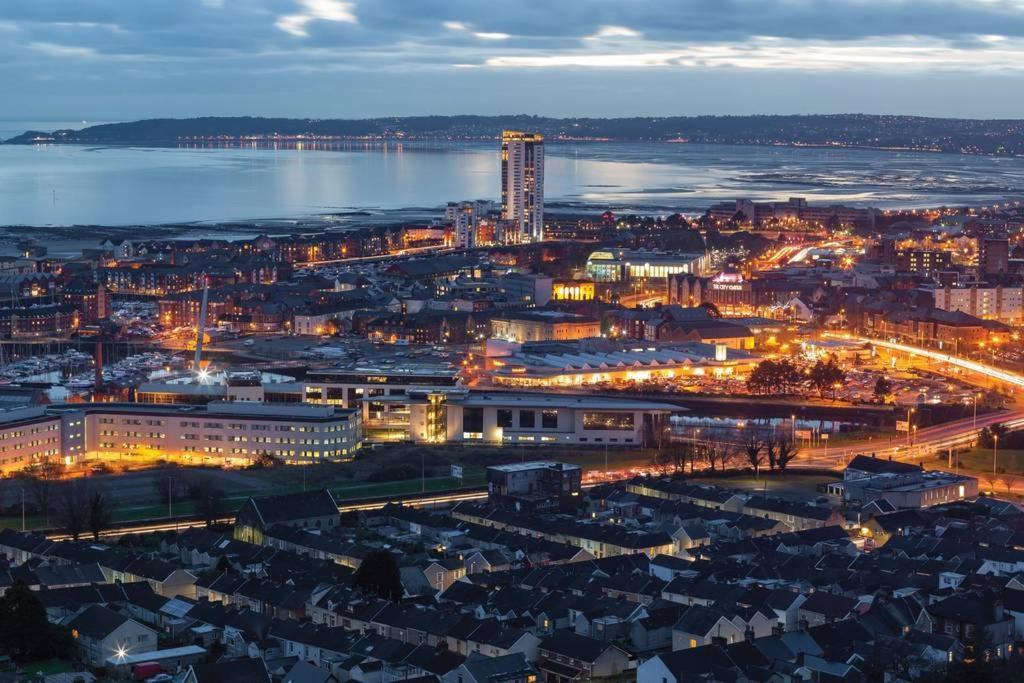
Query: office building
502	417
522	184
219	433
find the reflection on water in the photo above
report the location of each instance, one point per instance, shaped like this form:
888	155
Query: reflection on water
65	185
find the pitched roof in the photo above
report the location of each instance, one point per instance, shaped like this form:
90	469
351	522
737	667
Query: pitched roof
232	671
97	621
294	506
574	646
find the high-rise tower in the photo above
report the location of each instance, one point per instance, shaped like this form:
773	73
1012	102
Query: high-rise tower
522	184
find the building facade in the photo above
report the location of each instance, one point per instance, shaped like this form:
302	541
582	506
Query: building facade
522	184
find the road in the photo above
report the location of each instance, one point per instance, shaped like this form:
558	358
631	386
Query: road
1011	379
927	442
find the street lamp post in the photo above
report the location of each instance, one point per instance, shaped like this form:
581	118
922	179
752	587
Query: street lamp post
995	451
910	412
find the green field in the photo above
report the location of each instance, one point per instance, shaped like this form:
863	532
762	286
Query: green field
980	460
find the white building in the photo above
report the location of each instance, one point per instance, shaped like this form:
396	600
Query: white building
1005	304
465	218
522	183
507	418
217	433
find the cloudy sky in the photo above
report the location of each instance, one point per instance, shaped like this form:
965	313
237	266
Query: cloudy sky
126	59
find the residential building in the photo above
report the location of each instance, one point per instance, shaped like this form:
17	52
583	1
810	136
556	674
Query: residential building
522	184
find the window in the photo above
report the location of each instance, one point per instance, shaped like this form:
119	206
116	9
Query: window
693	642
527	419
504	418
608	421
473	420
549	419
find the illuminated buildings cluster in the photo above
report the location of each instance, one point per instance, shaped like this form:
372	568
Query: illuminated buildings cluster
627	266
796	212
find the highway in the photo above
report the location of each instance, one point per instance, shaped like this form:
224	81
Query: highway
1011	378
927	442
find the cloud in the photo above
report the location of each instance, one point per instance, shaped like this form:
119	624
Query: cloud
205	44
768	53
63	51
326	10
606	32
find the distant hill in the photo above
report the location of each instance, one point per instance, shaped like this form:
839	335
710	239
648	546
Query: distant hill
968	136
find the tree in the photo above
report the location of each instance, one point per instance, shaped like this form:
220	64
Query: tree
41	479
786	450
209	499
883	387
825	377
754	449
167	487
987	437
100	513
25	632
73	507
266	460
771	452
378	575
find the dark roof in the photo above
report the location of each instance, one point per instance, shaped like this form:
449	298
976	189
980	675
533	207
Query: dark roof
232	671
97	621
698	620
290	507
483	668
575	646
828	604
872	465
304	672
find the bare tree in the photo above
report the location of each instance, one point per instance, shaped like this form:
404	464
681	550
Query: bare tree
209	500
41	479
771	452
717	454
100	513
754	450
73	507
786	450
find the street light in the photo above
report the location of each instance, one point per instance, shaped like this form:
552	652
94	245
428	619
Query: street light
910	412
995	451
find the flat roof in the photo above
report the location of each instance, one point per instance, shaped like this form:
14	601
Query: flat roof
643	357
481	399
130	659
533	465
275	412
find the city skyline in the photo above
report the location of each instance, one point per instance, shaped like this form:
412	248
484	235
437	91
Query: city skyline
99	61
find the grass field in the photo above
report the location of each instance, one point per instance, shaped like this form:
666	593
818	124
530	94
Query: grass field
980	460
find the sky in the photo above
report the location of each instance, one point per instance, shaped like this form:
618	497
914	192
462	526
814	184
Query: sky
111	60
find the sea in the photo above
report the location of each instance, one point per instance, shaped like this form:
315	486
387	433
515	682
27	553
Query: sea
88	185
